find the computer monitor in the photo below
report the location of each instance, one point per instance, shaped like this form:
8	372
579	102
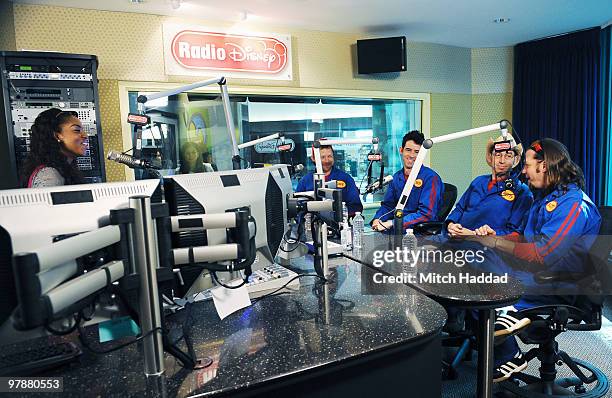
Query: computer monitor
263	190
33	219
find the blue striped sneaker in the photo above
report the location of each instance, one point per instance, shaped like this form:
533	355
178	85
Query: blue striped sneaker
506	370
510	323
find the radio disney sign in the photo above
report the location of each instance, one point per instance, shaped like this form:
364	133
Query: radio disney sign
199	51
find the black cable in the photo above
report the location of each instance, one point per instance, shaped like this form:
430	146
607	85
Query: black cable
119	347
77	320
214	275
93	311
518	174
284	286
364	176
381	223
297	242
187	323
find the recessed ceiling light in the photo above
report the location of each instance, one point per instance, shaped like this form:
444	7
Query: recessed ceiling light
137	1
501	20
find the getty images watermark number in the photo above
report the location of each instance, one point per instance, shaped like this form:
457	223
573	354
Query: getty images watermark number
31	384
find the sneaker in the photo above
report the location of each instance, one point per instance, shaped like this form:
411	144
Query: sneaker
510	323
506	370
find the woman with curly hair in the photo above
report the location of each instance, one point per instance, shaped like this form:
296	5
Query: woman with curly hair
57	139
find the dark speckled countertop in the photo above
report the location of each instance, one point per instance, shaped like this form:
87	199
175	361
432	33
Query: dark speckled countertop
473	295
276	338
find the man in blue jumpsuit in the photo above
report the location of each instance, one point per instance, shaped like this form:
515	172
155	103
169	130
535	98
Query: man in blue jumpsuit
350	193
557	234
426	195
496	200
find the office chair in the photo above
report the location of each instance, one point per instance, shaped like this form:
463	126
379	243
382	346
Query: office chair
448	201
551	320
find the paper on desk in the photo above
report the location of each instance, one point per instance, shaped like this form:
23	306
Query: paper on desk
228	301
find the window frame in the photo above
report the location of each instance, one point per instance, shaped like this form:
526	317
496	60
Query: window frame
126	86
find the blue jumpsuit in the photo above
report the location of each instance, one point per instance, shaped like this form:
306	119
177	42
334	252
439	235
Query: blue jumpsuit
350	193
500	208
424	200
558	231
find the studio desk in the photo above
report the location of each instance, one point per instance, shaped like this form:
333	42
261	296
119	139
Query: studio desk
479	296
325	339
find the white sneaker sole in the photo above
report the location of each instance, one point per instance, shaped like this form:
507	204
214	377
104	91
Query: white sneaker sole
511	369
513	329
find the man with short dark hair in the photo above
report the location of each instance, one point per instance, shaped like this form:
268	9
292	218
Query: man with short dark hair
350	193
426	195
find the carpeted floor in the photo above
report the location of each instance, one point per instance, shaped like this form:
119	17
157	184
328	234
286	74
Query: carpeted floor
595	347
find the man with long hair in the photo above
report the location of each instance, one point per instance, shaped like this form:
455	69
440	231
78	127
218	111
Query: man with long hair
557	234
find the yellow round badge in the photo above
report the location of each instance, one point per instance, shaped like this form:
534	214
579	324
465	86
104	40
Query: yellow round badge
340	184
550	206
418	183
508	195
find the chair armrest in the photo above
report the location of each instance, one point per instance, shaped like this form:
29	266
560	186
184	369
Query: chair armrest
428	227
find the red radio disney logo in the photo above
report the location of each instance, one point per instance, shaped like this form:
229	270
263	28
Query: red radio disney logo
221	51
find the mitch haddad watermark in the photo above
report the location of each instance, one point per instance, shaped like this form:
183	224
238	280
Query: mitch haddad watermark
414	267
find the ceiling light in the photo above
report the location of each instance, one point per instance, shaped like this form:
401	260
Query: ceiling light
136	1
501	20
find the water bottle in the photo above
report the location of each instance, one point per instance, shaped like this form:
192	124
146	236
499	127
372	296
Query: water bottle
346	238
308	227
358	230
409	245
344	213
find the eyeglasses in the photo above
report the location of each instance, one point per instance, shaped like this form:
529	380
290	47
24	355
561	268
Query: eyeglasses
506	155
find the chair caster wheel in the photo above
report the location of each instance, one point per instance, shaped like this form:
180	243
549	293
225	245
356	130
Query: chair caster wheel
580	389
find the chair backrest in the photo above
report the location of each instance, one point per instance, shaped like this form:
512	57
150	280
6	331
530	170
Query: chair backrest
606	220
600	259
448	201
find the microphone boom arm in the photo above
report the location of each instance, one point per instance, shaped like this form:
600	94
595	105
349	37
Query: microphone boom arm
427	144
229	120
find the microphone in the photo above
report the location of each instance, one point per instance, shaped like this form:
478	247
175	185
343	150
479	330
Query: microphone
375	186
504	128
131	161
298	168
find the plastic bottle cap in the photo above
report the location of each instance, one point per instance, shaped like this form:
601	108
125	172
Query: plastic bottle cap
409	231
357	212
